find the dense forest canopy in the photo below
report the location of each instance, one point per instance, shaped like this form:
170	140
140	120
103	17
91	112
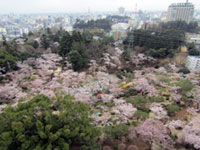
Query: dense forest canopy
170	39
181	25
94	24
158	44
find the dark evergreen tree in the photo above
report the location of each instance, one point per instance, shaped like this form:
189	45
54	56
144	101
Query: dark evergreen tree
35	44
81	48
46	124
65	44
77	37
76	60
45	41
7	61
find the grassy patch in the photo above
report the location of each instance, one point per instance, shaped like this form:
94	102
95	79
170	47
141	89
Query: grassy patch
165	80
160	74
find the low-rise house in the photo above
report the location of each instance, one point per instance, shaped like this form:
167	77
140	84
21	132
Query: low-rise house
194	38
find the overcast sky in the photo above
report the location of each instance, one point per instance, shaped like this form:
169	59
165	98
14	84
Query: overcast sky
44	6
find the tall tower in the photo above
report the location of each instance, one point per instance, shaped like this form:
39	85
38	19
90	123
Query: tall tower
121	10
136	8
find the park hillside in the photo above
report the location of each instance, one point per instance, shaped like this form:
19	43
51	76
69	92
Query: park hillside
64	90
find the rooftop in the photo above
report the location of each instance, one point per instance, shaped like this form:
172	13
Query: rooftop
195	57
181	4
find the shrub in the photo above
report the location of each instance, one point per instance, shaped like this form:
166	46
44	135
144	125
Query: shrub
7	62
110	104
129	76
92	145
137	100
100	103
4	78
142	114
1	78
156	99
116	131
142	100
172	109
126	55
129	92
33	43
120	74
194	52
184	70
161	53
185	85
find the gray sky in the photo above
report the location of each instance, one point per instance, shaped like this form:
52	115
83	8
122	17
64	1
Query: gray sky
43	6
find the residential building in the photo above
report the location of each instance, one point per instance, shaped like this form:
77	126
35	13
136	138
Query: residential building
181	11
119	30
196	40
193	38
193	63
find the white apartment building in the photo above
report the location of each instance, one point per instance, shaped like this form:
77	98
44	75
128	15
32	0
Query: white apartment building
193	63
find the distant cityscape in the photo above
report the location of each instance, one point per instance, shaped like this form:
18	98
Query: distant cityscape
13	26
123	79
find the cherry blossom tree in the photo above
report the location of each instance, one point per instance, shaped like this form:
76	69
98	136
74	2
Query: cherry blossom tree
191	133
144	87
152	130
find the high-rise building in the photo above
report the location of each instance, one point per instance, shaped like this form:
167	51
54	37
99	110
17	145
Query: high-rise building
181	11
121	10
